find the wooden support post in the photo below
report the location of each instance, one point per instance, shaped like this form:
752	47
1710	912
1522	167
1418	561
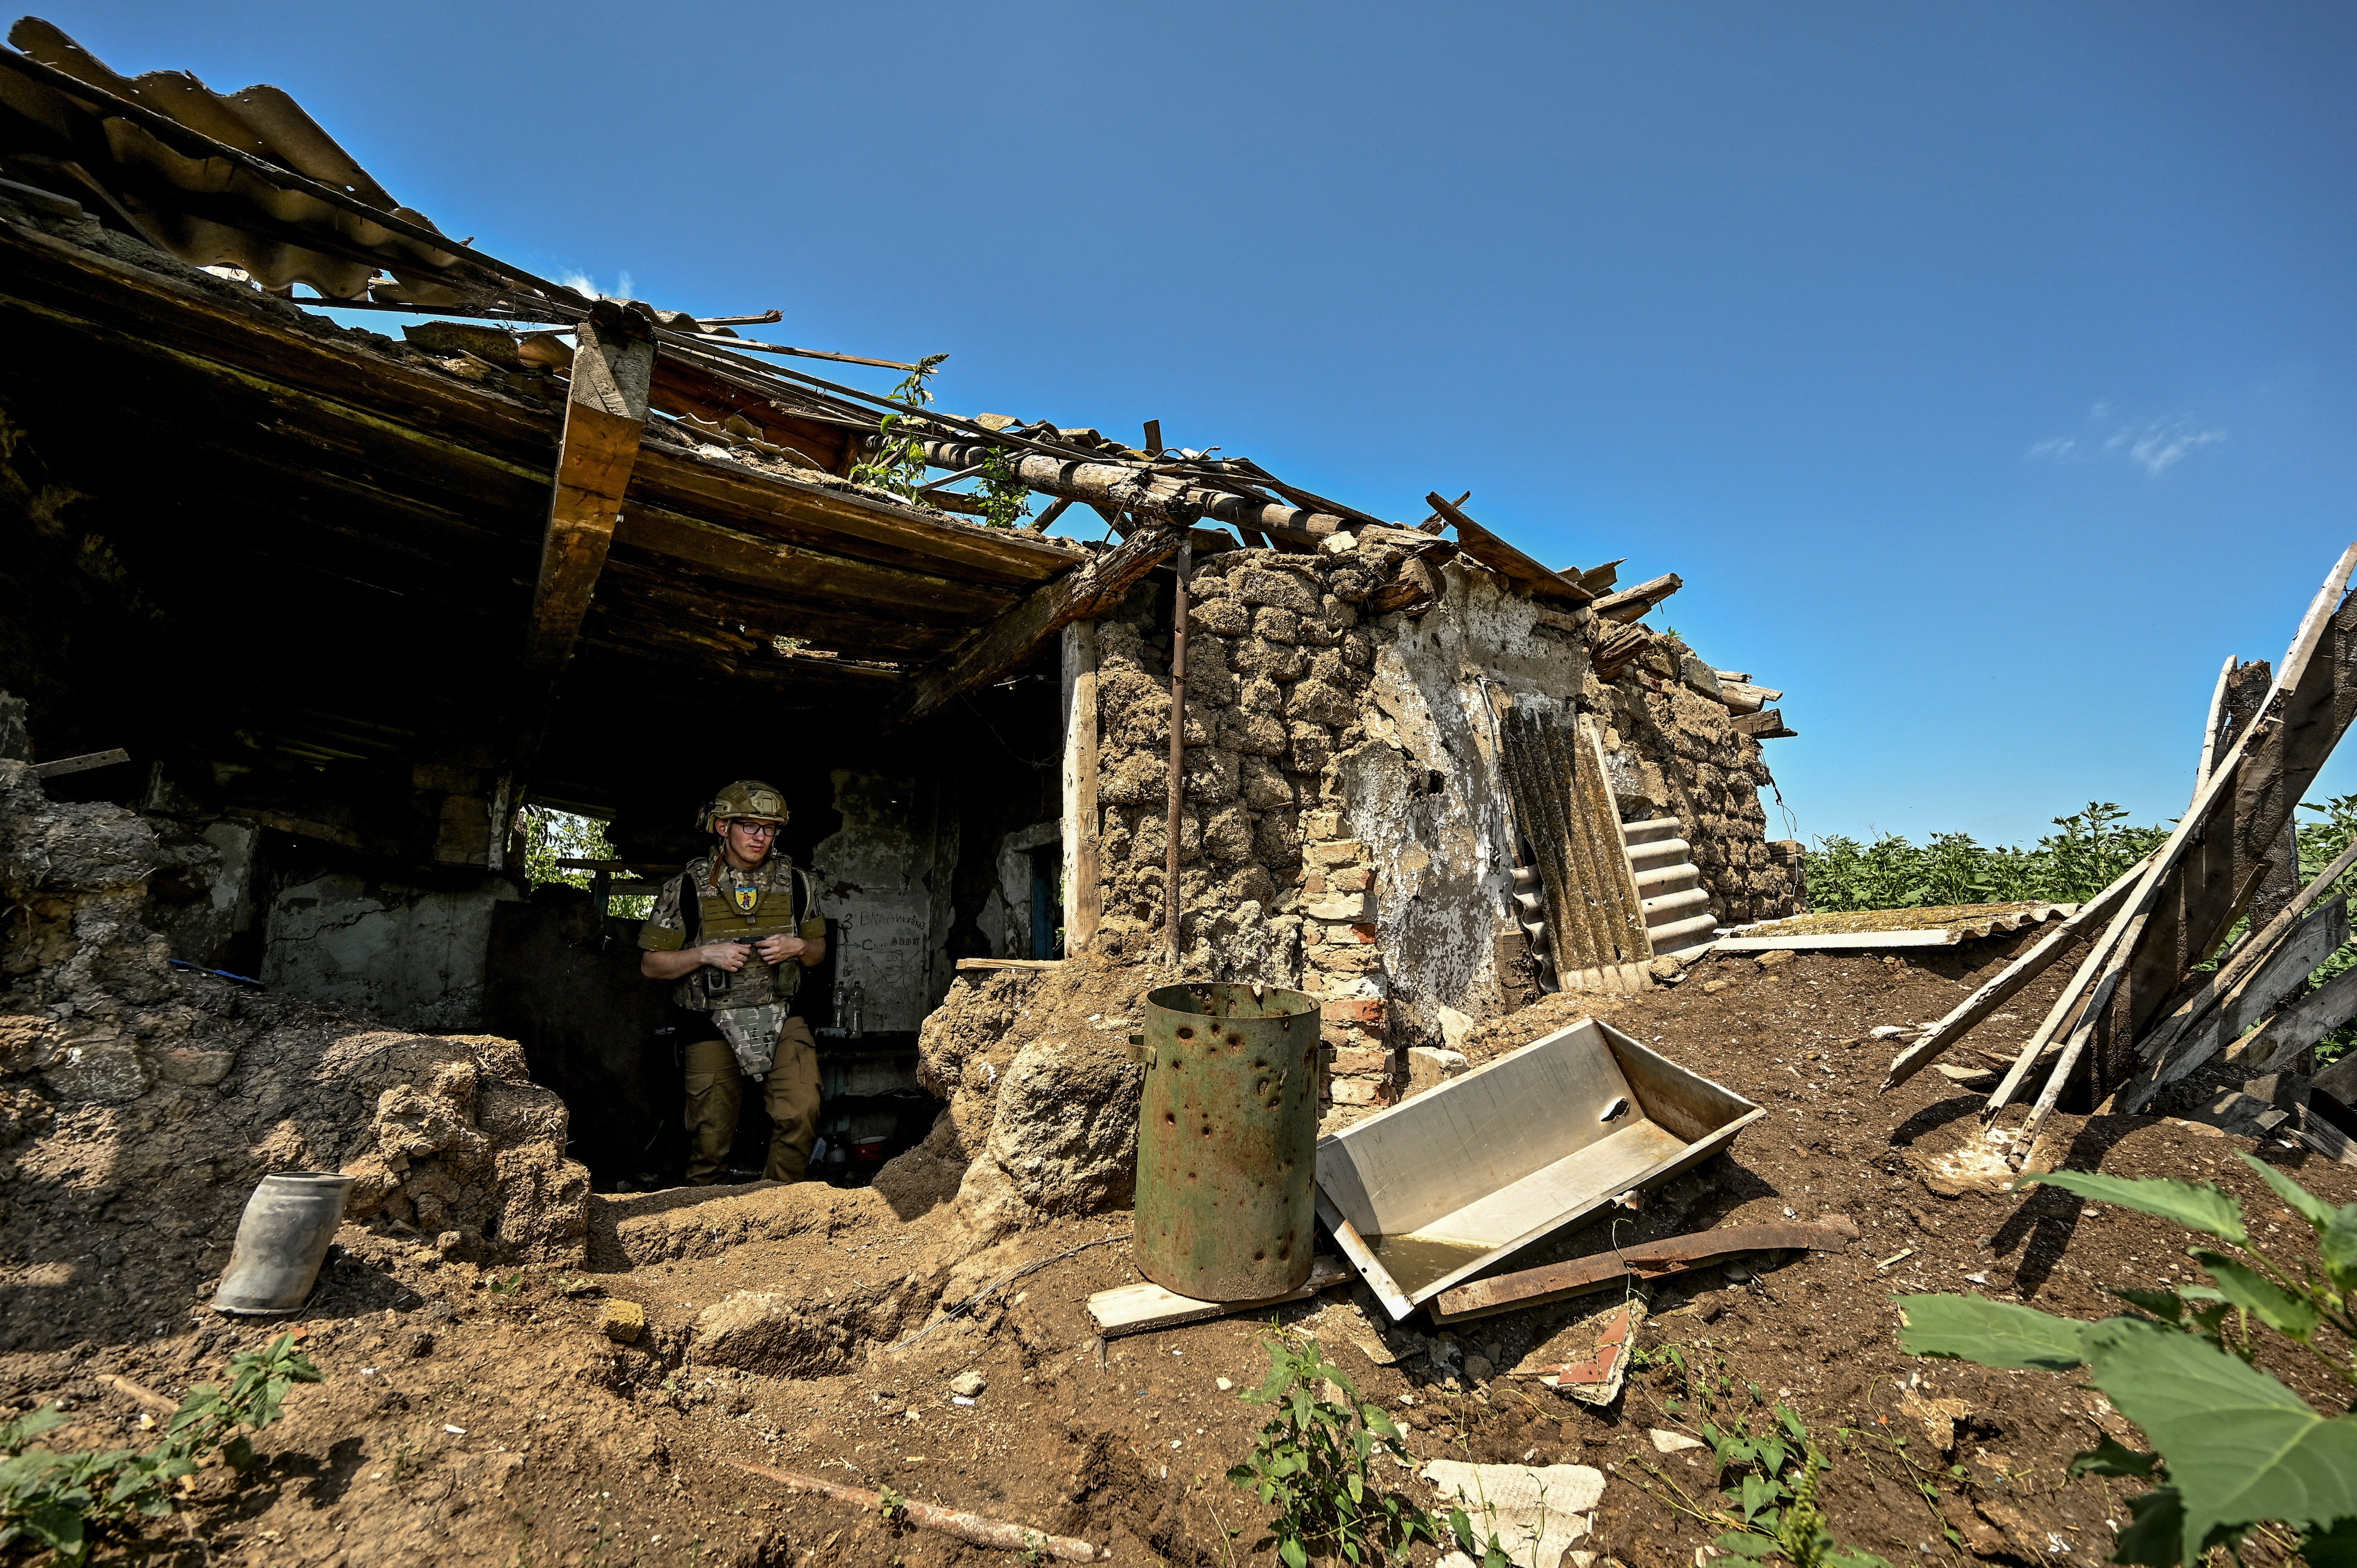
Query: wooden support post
1171	899
1083	895
604	418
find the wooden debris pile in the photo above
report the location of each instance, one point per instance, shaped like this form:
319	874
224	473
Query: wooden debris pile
2141	1011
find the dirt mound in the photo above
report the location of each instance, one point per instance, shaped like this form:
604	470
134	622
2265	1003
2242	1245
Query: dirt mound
139	1105
1042	1118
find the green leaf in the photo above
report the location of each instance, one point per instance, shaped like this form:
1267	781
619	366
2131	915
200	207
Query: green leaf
2111	1457
1759	1492
2297	1198
2197	1206
1792	1423
2240	1446
1843	1557
2293	1315
1462	1529
2339	1246
1992	1333
1744	1545
2165	1304
1295	1557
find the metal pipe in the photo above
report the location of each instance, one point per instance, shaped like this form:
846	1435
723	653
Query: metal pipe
1177	748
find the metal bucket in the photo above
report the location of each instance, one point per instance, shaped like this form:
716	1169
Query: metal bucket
1226	1140
281	1242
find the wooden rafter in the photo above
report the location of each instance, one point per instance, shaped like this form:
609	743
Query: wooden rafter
1014	636
604	418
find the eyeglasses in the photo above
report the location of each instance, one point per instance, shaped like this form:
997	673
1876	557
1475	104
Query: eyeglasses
767	830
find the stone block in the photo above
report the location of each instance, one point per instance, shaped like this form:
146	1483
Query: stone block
1360	1091
1227	837
107	1071
1320	703
1266	786
1261	695
622	1321
1346	907
1277	838
1213	776
1351	879
1223	617
1358	649
1352	1009
1276	625
1309	749
1258	733
1429	1067
1333	852
1283	589
1350	1062
189	1065
1257	656
1356	958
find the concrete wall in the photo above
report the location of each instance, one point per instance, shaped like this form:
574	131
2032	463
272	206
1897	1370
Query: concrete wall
413	957
883	877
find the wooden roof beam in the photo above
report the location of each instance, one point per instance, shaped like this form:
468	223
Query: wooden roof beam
604	418
1014	636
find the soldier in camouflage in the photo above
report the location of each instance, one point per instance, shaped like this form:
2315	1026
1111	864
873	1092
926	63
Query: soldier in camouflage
735	931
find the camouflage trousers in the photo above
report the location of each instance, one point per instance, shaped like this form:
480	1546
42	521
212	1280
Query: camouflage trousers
715	1095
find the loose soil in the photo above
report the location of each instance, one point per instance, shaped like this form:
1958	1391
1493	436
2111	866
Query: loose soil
478	1416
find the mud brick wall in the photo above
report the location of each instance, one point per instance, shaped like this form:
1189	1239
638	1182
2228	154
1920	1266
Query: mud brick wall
1341	824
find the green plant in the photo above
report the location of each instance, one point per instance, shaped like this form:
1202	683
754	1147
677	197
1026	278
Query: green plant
1770	1481
1006	499
889	1503
55	1499
1895	873
1312	1463
507	1287
2234	1447
899	464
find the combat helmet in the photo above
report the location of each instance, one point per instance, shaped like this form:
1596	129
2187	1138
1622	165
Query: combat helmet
747	798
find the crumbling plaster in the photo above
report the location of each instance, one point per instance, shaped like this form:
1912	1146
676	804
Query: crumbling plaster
414	957
883	877
1424	792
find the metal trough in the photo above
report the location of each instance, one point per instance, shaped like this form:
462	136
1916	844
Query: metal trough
1433	1191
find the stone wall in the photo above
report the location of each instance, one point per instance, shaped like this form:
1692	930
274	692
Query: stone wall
1345	829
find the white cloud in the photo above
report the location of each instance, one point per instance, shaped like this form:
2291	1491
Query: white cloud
584	285
2156	445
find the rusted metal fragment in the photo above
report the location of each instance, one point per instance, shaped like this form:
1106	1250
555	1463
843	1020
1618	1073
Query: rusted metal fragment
1645	1261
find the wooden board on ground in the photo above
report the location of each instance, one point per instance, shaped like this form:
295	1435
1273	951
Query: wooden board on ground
974	965
1134	1309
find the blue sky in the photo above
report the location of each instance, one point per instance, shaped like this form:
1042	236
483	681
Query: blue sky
1987	372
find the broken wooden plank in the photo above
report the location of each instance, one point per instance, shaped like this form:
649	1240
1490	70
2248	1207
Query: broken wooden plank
2010	981
2255	949
1009	640
1642	1260
82	764
2315	940
1768	724
967	1527
986	965
1629	603
2328	1140
2210	729
1136	1310
1505	560
605	419
2298	1025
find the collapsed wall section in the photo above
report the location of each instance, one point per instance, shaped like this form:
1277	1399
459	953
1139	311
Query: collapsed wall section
139	1105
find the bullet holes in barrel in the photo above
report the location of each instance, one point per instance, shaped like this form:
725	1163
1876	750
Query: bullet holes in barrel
1186	1034
1170	1118
1207	1129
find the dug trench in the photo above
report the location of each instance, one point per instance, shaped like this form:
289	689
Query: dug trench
474	1413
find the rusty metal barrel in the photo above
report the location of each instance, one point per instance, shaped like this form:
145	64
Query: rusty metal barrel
1227	1141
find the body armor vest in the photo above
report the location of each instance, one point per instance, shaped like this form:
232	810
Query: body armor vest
714	916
